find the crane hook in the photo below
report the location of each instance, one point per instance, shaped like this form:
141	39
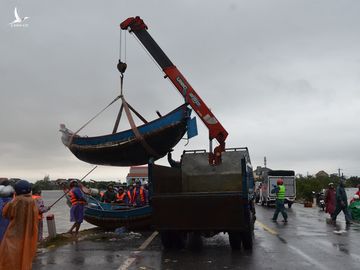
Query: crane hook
121	66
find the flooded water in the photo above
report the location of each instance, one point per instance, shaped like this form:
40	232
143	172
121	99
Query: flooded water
61	212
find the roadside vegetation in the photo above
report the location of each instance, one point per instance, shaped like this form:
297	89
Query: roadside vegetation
306	185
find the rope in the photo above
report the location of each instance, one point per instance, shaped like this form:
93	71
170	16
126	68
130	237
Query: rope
96	116
120	45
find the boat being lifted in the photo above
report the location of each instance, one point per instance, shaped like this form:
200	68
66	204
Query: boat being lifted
133	146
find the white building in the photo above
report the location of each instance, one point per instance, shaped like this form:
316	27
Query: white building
137	173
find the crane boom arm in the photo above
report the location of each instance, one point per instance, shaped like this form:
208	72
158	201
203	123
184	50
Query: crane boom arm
216	130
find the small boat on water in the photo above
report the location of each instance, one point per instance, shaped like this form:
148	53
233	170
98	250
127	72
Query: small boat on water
112	216
131	147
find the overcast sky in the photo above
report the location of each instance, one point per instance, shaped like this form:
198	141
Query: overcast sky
281	76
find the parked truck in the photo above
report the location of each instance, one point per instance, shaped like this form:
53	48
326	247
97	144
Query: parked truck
269	181
207	192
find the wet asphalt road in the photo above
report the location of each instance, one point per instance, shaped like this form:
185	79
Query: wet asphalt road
307	241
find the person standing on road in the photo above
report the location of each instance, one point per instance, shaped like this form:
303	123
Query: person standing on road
6	195
36	195
77	207
330	199
18	247
280	198
341	203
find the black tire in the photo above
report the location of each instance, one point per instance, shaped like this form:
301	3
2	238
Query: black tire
247	240
290	204
166	239
195	241
247	236
179	239
235	239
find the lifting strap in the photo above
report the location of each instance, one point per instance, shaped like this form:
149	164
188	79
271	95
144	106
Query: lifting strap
138	135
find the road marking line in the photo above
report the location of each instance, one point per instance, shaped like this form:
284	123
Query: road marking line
308	258
148	241
129	261
298	251
266	228
126	264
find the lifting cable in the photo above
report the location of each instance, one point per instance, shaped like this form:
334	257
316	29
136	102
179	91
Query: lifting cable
121	66
96	115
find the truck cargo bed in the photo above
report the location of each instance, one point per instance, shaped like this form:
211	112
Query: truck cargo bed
221	211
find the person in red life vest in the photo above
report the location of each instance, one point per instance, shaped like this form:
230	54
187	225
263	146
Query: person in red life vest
36	195
121	196
139	194
330	199
77	207
18	247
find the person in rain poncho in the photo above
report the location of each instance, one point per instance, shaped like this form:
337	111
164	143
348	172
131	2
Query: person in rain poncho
354	208
341	203
330	199
357	193
6	194
18	247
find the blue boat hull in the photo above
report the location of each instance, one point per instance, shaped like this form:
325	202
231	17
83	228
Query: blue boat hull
124	149
112	216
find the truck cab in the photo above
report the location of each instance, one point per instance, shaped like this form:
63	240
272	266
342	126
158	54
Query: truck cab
269	181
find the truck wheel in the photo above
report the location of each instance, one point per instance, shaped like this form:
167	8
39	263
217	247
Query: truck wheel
166	239
247	236
195	241
235	240
247	240
179	239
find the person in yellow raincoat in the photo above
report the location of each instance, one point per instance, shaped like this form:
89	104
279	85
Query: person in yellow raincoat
18	247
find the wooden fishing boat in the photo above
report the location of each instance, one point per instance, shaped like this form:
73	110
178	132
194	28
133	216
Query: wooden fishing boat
131	147
112	216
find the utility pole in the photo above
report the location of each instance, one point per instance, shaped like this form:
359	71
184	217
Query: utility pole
265	162
339	172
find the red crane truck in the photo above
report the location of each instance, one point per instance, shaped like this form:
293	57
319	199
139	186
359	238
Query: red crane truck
208	192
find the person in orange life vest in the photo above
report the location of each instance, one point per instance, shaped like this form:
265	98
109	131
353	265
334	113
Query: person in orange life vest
139	196
130	194
77	207
18	247
36	195
121	196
